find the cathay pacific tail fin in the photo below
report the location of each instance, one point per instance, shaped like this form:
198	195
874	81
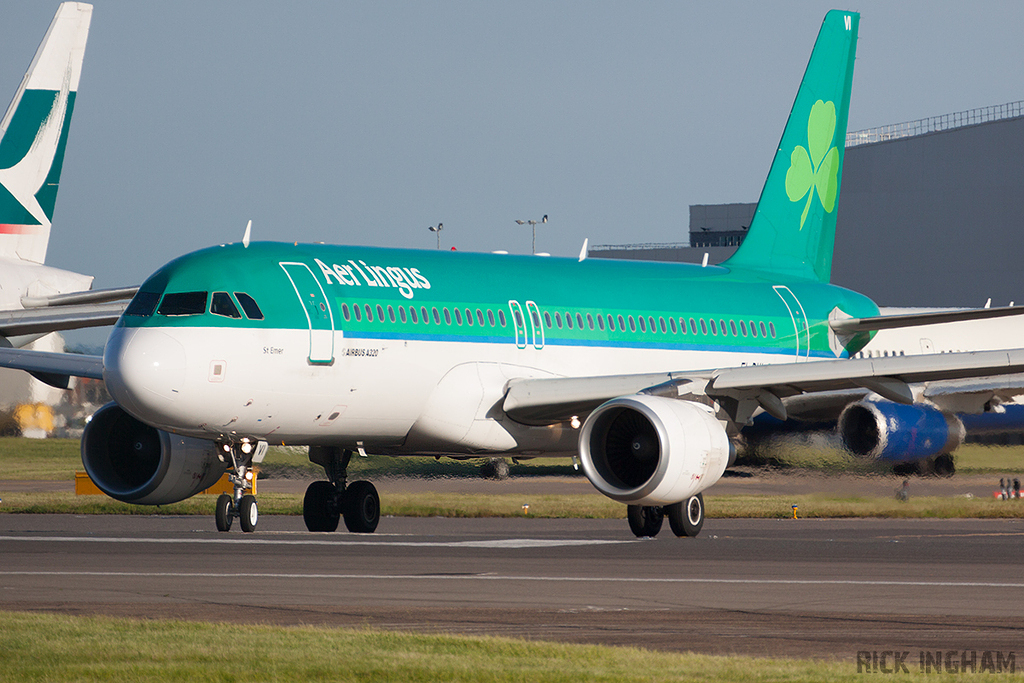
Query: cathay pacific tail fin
34	132
794	227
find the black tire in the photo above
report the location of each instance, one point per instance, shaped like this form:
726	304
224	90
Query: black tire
362	508
687	517
943	465
645	520
248	513
320	508
223	514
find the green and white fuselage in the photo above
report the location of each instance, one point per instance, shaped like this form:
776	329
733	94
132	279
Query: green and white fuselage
423	365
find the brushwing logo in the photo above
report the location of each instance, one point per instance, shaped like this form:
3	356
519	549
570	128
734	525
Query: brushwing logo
815	169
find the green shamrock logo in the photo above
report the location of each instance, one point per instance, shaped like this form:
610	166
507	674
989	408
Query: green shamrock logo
818	167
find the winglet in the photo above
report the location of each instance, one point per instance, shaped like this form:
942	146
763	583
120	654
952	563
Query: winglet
248	232
583	251
34	133
794	227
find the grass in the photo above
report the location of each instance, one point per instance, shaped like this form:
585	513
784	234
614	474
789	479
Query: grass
47	647
575	506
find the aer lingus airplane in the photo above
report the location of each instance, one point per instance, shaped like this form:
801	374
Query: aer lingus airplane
646	371
35	298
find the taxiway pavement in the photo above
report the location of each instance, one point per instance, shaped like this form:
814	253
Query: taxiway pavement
824	588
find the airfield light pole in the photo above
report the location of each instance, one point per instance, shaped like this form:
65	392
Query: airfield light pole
533	224
438	229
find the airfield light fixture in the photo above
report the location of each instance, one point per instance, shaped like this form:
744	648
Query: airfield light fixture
533	224
437	230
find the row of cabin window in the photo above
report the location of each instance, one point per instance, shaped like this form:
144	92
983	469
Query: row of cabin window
649	323
359	312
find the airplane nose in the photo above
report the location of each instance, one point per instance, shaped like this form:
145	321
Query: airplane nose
144	370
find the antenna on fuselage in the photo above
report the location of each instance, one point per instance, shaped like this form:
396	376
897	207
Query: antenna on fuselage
248	232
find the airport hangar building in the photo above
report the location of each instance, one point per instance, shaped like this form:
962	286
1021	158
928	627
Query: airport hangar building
931	213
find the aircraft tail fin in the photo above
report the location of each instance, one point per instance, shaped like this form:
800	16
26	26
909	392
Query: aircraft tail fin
794	226
34	133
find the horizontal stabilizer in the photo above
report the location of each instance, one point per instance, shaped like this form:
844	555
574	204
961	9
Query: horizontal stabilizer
890	322
43	320
92	296
52	368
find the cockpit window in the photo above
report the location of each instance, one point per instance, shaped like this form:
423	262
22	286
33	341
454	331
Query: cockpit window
143	304
252	310
183	303
221	304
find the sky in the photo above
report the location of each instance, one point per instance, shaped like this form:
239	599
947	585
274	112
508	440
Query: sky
366	122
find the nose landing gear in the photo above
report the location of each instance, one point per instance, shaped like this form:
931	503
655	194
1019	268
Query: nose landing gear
241	505
327	502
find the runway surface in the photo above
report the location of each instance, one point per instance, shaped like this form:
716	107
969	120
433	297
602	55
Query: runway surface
824	588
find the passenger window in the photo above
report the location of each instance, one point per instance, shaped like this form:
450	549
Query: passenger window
703	327
412	314
711	323
437	317
568	320
547	319
732	326
535	317
369	314
725	330
480	317
391	313
590	321
469	317
643	327
490	317
771	328
501	317
380	313
447	316
458	317
764	332
622	324
558	320
650	323
356	310
249	306
183	303
579	321
632	324
424	315
743	328
611	323
345	313
661	321
600	323
143	304
753	329
693	326
221	304
401	312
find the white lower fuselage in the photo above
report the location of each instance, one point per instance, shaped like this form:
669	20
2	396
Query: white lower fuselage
387	395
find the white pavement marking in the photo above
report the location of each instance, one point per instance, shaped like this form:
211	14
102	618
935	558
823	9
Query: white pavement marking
506	543
499	577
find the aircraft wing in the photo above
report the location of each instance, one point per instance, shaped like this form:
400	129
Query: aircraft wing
547	401
53	319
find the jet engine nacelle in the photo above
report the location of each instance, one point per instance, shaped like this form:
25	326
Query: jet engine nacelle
882	430
648	450
135	463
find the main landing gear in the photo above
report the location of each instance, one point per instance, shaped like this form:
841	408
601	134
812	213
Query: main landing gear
241	505
326	502
686	518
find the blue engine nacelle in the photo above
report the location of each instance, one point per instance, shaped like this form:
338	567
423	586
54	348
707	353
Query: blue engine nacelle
882	430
